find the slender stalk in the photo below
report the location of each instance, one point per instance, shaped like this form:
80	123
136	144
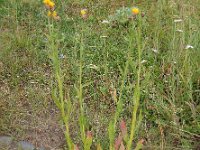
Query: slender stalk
120	103
136	96
80	95
58	76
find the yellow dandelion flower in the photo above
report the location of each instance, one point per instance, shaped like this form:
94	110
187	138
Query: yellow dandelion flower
46	2
49	13
83	12
54	14
135	11
51	4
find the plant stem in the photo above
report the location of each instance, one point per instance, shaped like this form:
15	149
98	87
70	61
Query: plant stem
136	96
59	80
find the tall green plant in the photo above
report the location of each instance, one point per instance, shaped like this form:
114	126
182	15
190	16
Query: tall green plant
64	105
135	33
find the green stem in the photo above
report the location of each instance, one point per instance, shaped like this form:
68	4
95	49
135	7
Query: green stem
59	80
82	124
136	96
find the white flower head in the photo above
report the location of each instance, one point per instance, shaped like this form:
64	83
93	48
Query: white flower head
154	50
105	22
61	56
143	61
177	20
189	47
181	31
92	66
103	36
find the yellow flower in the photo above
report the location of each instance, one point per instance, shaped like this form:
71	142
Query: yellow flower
54	14
83	12
51	4
135	11
46	2
49	14
50	7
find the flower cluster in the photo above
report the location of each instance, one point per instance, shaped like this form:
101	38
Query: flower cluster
50	5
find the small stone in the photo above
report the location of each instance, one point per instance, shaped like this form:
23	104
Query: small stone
23	145
5	141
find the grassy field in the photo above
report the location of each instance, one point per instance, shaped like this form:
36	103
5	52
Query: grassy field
81	75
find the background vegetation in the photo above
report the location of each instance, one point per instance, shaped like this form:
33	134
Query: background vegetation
169	76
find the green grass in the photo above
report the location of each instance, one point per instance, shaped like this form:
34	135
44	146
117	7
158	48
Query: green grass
95	71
